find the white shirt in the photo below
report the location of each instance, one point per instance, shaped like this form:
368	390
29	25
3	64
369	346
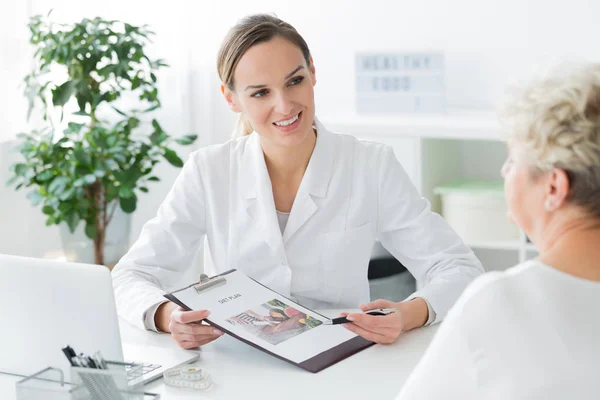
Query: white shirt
532	332
282	219
352	192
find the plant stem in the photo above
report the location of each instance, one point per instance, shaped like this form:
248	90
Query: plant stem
100	205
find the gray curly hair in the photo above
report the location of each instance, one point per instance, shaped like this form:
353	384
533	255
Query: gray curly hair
556	121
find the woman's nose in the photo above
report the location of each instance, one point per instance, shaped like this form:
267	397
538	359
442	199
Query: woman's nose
503	169
283	105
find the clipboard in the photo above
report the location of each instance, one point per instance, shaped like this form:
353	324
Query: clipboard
344	346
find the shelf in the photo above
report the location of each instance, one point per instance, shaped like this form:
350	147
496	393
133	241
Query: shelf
496	245
530	247
502	245
455	124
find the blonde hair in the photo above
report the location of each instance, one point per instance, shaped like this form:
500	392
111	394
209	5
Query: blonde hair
556	121
251	30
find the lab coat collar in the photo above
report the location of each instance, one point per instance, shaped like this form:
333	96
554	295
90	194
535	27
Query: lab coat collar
257	186
318	173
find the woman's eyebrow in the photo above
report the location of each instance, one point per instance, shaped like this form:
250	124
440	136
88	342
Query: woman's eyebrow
298	68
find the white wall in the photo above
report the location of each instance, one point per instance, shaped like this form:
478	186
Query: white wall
13	63
486	43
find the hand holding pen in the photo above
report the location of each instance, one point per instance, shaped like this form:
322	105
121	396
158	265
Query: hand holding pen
344	319
386	328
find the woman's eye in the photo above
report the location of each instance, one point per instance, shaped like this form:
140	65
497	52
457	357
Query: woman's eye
260	93
297	80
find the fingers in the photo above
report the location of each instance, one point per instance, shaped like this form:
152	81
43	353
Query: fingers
371	336
193	329
185	317
189	341
196	343
372	322
378	329
188	330
381	303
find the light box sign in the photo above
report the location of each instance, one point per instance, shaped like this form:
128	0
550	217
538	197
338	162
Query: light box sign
400	83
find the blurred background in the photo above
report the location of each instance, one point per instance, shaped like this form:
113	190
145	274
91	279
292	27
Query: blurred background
485	44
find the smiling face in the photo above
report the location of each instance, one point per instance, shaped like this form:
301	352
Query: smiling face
274	90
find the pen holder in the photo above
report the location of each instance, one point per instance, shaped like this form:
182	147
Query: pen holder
119	381
47	384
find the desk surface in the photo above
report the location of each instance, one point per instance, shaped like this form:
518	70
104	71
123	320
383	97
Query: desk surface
240	371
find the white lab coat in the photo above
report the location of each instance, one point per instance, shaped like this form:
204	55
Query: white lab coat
352	192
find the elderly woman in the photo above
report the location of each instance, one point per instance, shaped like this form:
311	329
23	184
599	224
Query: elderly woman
533	332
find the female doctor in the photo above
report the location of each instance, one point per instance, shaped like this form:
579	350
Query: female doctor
292	205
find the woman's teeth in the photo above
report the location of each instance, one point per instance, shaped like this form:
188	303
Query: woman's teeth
288	122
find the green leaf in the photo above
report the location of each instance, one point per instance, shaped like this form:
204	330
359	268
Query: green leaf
45	175
72	220
81	156
144	189
125	192
154	179
111	164
133	123
119	111
62	94
58	184
173	158
81	113
128	205
186	140
67	194
152	108
158	136
73	128
79	182
120	158
12	180
48	210
90	231
20	169
156	125
35	197
82	100
90	178
111	141
64	207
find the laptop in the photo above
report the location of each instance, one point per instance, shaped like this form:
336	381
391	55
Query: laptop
46	305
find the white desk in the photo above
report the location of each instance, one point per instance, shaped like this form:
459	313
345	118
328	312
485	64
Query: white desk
240	371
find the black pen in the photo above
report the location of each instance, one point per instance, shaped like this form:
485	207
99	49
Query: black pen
70	354
344	320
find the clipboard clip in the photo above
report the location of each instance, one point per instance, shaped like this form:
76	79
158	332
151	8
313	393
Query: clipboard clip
207	283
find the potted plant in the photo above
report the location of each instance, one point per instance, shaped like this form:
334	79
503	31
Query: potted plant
105	156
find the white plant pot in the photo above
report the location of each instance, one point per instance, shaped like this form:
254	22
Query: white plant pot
78	247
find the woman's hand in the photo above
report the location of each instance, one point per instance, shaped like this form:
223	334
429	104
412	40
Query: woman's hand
387	328
186	327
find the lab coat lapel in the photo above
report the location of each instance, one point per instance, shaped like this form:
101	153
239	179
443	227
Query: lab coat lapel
314	183
258	192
